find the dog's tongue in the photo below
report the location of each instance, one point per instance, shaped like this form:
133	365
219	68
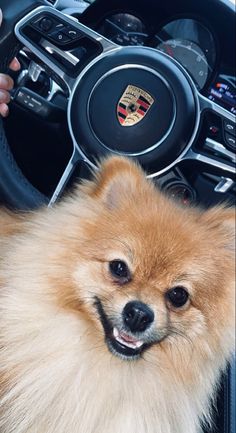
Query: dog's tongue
127	340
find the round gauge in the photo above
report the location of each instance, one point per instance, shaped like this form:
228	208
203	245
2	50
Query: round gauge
182	192
190	56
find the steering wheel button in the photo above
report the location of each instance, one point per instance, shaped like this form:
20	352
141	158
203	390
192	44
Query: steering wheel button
72	33
46	24
213	130
60	37
230	140
230	127
43	23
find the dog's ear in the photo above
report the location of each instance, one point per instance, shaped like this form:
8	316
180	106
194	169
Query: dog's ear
117	179
221	221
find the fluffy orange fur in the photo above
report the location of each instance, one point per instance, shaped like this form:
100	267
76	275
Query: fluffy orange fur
57	374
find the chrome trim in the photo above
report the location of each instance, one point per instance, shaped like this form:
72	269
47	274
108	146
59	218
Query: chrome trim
34	71
146	68
24	53
64	178
219	148
83	157
23	73
75	158
76	6
51	48
75	10
64	77
68	81
191	155
206	103
224	185
54	87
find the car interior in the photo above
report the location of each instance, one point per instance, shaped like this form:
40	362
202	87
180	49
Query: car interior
79	59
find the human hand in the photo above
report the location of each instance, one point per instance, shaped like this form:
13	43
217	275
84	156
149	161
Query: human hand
6	84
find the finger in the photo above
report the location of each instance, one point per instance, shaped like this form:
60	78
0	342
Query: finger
4	97
15	65
6	82
4	110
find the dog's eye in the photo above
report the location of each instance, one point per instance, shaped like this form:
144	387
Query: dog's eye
177	296
119	270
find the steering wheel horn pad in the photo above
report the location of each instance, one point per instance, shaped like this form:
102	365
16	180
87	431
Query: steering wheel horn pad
161	132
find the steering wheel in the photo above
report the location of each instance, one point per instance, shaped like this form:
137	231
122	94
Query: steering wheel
133	101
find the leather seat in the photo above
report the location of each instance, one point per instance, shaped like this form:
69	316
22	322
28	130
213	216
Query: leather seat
225	412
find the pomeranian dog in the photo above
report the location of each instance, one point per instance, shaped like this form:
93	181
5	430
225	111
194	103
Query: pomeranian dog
116	310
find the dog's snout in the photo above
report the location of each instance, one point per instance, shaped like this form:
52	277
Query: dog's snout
137	316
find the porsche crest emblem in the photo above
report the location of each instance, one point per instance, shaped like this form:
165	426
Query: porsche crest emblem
133	105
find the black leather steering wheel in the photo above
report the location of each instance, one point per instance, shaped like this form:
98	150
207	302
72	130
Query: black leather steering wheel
12	12
133	101
18	191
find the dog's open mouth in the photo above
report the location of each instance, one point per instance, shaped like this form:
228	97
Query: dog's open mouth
127	340
124	344
120	343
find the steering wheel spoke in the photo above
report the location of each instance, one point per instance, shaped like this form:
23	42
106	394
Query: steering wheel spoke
62	44
208	104
76	159
217	153
212	163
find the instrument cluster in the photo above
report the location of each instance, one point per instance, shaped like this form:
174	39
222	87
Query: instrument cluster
186	40
190	43
124	29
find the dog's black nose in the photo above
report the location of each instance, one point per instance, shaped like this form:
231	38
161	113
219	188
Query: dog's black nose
137	316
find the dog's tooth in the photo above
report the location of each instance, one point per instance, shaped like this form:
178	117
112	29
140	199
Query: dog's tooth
120	340
115	332
139	343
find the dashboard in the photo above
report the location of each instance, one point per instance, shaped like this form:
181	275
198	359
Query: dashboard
190	41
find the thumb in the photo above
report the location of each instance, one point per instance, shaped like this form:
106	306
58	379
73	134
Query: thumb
0	16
